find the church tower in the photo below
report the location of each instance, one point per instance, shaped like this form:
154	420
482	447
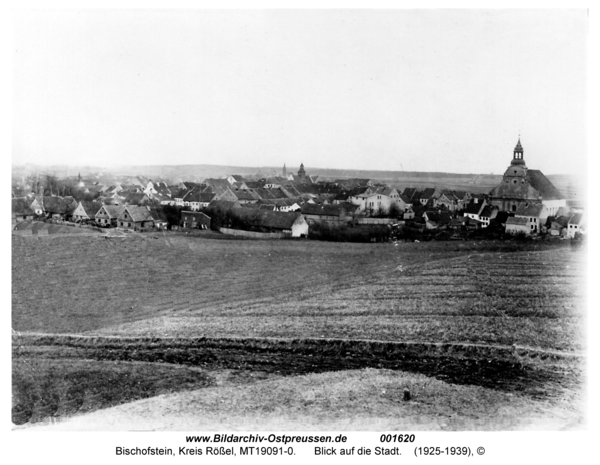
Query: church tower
284	171
301	172
518	154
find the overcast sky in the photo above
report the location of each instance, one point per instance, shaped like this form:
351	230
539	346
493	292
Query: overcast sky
418	90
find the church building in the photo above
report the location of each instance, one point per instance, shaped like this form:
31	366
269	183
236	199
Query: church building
522	187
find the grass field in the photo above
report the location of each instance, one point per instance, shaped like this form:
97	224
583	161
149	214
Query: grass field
509	317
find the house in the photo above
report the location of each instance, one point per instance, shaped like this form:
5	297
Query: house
59	208
449	200
136	198
224	205
559	226
195	220
474	209
575	225
21	211
333	214
160	219
86	210
293	224
197	199
429	196
488	213
108	214
436	220
135	217
535	214
411	193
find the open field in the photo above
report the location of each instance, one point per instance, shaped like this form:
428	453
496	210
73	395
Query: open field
360	400
500	316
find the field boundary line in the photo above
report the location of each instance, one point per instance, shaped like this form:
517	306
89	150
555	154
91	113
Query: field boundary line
514	349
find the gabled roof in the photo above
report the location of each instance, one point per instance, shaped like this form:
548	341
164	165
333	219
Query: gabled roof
474	208
405	199
90	207
576	218
158	214
113	211
438	217
58	205
532	210
488	211
224	204
428	193
137	213
195	195
517	221
21	207
267	218
135	198
543	185
323	210
222	183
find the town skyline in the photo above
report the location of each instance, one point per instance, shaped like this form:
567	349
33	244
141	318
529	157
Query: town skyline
384	90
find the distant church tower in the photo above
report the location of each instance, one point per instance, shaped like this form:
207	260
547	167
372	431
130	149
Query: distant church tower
518	154
284	171
301	172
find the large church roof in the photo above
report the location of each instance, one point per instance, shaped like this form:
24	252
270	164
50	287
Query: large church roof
543	185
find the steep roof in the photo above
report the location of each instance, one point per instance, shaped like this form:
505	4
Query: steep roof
224	204
324	210
21	207
113	211
516	221
428	193
543	185
488	211
439	217
138	213
532	210
91	207
267	218
576	218
57	204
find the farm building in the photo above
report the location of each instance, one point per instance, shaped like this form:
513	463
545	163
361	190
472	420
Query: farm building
136	218
86	210
21	211
195	220
59	208
269	221
108	214
436	220
326	213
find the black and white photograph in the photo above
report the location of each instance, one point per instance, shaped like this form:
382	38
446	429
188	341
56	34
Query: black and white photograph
299	220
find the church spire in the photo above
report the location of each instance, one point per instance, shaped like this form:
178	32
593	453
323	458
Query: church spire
518	154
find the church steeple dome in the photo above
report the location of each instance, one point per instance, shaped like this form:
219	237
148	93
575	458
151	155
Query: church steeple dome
518	154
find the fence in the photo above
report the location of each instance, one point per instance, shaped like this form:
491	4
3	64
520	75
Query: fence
255	235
